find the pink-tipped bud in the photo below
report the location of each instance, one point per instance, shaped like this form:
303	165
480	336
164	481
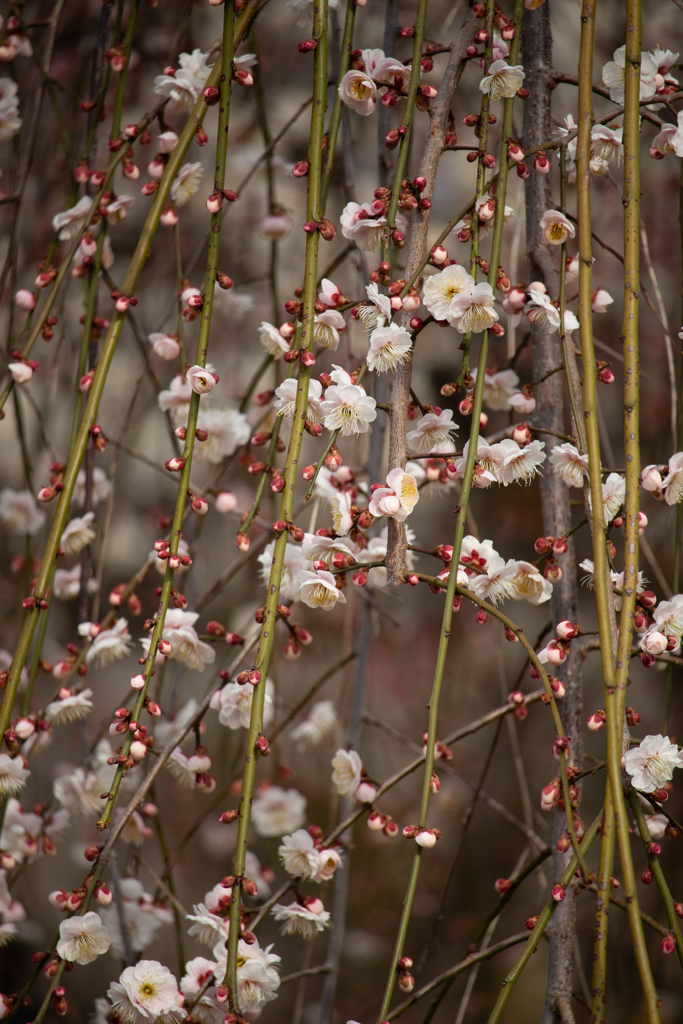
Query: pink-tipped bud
301	169
559	892
502	885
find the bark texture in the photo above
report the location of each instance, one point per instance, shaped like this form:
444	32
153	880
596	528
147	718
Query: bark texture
550	415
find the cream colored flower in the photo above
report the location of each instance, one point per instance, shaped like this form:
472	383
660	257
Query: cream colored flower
502	81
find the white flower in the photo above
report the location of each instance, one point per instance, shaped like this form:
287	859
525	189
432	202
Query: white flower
278	811
146	992
67	583
670	138
358	91
614	76
272	341
82	939
109	644
186	183
233	704
21	373
347	408
569	464
542	311
442	290
293	564
69	223
668	617
10	122
607	145
502	81
100	491
498	387
531	585
556	228
672	484
521	463
389	348
228	430
327	327
346	771
69	709
319	726
360	224
316	548
79	791
257	978
613	495
164	346
376	312
200	380
341	513
473	311
300	919
178	764
78	534
117	211
208	928
601	300
20	513
13	775
318	589
298	854
176	399
497	582
286	399
185	644
398	499
652	763
432	433
185	87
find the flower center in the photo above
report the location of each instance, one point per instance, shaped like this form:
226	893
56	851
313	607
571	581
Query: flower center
657	768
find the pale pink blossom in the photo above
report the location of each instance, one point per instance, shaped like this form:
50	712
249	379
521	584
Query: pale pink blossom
164	346
200	380
77	534
601	300
21	372
398	499
503	80
358	91
272	341
319	726
302	920
298	854
433	433
13	775
20	513
376	312
442	290
276	225
672	484
69	223
346	771
522	402
570	464
185	86
348	409
670	138
652	763
473	310
390	347
556	228
614	76
317	589
327	327
82	939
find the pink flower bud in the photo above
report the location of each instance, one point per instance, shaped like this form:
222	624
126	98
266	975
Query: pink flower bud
426	838
502	885
390	829
25	299
366	793
164	647
300	169
558	687
550	796
558	893
225	501
375	821
103	895
655	642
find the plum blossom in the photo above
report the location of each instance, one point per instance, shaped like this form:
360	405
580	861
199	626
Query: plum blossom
521	463
329	295
144	918
358	91
556	228
601	300
607	148
318	727
13	775
21	373
185	644
498	580
298	854
165	346
542	311
176	399
228	430
503	80
668	617
200	379
70	708
233	704
78	534
389	348
69	223
109	644
670	138
614	76
341	513
20	513
327	327
82	939
442	290
474	310
398	499
146	992
362	225
318	589
272	341
294	563
285	404
184	88
652	763
186	183
347	408
347	768
570	464
432	433
316	548
66	584
304	920
531	585
278	811
672	484
257	977
79	791
613	495
376	312
100	491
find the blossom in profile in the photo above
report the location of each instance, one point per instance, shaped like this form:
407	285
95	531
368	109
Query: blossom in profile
503	80
377	311
398	499
20	513
390	347
358	91
77	534
348	409
200	379
186	646
614	76
306	921
82	939
497	582
362	225
13	775
285	403
146	992
108	645
100	489
347	768
672	483
165	346
318	589
652	762
601	300
432	433
670	138
272	341
294	562
570	464
319	726
327	327
69	223
186	183
278	811
541	310
69	708
184	87
521	464
607	146
556	228
341	513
